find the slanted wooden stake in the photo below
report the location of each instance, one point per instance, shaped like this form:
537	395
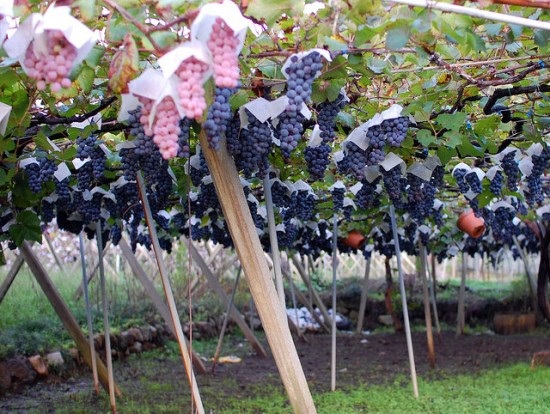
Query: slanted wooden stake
196	397
16	266
106	328
88	313
363	301
404	301
62	310
426	297
248	247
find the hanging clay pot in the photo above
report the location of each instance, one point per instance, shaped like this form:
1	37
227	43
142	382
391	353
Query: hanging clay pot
470	224
354	240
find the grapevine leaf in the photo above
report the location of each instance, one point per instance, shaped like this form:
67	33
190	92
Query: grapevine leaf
397	38
445	154
271	10
452	121
27	227
425	137
124	66
86	78
87	8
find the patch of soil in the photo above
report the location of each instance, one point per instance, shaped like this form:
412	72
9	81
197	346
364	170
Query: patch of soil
381	359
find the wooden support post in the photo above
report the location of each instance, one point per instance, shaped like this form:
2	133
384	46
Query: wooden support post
315	296
79	290
11	276
159	303
247	244
233	313
64	313
52	251
364	292
460	320
333	319
426	297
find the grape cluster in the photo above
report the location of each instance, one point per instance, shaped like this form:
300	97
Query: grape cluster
223	45
474	182
420	197
289	131
197	174
254	146
301	74
280	194
503	227
115	234
338	198
511	168
63	191
47	169
190	87
218	117
394	185
375	156
85	177
54	66
395	130
535	194
166	129
183	138
438	174
317	159
302	205
495	186
88	148
47	211
354	161
367	196
459	175
326	118
32	171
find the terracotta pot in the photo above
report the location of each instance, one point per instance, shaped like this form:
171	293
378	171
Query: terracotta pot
470	224
354	240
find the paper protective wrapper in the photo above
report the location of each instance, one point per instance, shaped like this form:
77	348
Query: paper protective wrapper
337	184
171	61
392	160
461	166
279	105
315	139
5	111
229	12
491	172
420	170
35	26
259	107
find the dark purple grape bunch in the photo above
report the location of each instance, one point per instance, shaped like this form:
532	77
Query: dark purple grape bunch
301	73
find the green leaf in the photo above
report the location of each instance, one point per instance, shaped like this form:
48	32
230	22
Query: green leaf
445	154
271	10
87	8
542	38
41	140
86	78
27	227
376	65
452	121
397	38
425	137
454	138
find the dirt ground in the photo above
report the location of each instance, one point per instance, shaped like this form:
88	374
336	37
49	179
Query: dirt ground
361	359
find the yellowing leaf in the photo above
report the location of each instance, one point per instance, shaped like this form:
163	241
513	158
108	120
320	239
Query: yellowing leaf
124	66
271	10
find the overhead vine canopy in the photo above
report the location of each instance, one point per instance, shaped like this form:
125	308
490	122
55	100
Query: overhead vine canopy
345	107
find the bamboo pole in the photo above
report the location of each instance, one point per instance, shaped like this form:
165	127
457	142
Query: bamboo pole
64	313
196	397
10	277
426	297
88	313
460	314
159	304
470	11
404	301
333	319
106	327
433	288
246	241
52	251
233	312
225	320
364	293
79	290
276	255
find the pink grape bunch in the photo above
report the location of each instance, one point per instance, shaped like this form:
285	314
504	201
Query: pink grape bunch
53	67
190	89
223	46
165	129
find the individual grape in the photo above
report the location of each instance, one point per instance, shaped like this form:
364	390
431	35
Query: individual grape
223	45
32	170
190	88
301	73
511	168
459	175
317	159
218	117
326	118
289	131
338	198
53	65
393	183
183	138
474	182
495	186
395	130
